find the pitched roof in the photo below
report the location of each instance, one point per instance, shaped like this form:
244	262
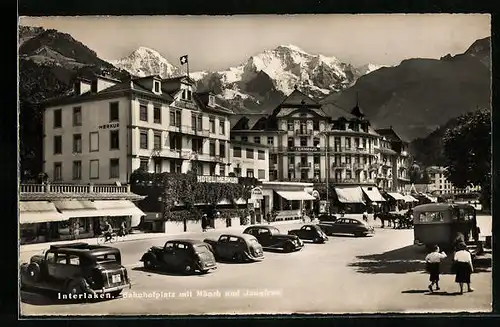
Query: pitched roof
390	134
335	112
245	121
297	98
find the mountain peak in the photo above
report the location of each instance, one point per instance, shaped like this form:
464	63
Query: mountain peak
291	47
145	51
145	61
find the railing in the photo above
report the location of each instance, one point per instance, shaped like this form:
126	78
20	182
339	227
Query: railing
194	131
176	128
291	166
304	165
304	132
316	166
73	188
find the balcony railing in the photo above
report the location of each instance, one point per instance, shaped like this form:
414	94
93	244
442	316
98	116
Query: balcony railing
73	188
304	165
304	132
194	131
316	166
291	166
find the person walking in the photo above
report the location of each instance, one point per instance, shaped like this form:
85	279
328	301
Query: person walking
463	267
433	262
365	216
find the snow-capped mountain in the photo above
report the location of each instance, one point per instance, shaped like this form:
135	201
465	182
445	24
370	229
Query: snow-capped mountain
368	68
264	78
145	61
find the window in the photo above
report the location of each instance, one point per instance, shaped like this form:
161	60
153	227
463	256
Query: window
256	139
157	115
77	170
114	168
222	150
237	172
270	140
114	114
158	164
157	87
175	167
189	94
244	139
348	174
250	173
303	141
77	143
197	146
199	125
431	217
261	174
94	169
93	141
250	154
212	149
143	112
114	140
222	127
212	125
316	159
237	152
291	142
144	140
273	158
57	171
222	170
348	142
175	142
77	116
74	260
212	170
316	141
315	125
291	159
172	117
58	144
157	141
57	118
193	122
261	155
290	126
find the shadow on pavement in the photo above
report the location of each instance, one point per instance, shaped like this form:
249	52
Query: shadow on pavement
444	293
167	273
415	291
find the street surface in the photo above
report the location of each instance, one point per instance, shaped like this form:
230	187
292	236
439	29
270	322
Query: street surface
382	273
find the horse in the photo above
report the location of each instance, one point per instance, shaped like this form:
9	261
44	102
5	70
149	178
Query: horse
386	216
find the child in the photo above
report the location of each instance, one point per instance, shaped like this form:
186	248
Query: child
433	261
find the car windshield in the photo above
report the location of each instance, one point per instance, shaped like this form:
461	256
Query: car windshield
274	230
201	248
107	258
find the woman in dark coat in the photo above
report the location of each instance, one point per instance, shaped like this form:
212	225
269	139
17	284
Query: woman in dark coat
463	267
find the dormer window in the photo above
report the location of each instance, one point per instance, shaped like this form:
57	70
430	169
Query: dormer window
211	100
189	95
156	87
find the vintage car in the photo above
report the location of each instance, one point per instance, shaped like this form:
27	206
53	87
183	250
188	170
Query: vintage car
182	255
239	248
352	226
76	268
310	232
271	238
327	217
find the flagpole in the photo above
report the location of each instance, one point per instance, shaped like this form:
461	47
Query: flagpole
187	63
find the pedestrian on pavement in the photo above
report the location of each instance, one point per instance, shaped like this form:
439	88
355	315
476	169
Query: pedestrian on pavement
204	222
433	262
365	216
463	267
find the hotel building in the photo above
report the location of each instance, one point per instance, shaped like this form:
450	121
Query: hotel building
107	129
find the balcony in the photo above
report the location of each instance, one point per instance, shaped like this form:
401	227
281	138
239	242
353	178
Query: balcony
174	129
49	192
316	166
276	149
304	165
291	166
159	152
352	150
354	181
303	132
305	149
359	166
341	165
189	130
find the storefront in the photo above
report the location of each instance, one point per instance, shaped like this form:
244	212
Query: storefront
349	199
395	201
375	199
44	221
410	201
286	199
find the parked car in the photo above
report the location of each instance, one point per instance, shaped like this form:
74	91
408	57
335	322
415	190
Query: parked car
347	226
310	232
187	256
327	217
76	268
271	238
240	248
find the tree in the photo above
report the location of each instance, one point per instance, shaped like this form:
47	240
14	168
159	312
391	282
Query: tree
415	173
467	150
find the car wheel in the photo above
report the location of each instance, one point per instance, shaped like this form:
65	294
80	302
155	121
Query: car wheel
75	287
33	272
288	247
188	269
148	263
239	257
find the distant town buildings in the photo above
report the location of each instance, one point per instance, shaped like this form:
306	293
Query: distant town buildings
439	184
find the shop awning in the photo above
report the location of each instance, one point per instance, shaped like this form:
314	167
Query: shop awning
295	195
77	209
396	196
373	194
349	194
33	212
117	208
409	198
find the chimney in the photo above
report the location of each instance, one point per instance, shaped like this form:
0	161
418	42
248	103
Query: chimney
81	86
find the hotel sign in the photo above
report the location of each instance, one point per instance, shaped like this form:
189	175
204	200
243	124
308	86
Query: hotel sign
303	149
257	193
216	179
109	126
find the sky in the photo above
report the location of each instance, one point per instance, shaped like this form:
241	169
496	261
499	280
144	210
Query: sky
219	42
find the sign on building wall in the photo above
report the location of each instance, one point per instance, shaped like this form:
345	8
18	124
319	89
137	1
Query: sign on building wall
257	194
303	149
109	126
216	179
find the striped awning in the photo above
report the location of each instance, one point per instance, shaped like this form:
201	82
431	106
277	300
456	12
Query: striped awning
295	195
33	212
396	196
349	194
373	194
117	208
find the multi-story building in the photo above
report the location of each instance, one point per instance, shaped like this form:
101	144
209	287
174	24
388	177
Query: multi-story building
399	158
439	184
107	129
249	159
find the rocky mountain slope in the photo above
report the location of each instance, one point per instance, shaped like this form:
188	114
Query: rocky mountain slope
145	62
419	95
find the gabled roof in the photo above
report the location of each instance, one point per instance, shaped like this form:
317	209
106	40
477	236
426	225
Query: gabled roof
335	112
390	134
245	122
202	100
297	98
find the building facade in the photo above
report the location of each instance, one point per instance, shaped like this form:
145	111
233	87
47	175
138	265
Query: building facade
107	129
249	159
439	184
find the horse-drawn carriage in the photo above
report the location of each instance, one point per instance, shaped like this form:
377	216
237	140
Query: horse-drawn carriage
396	220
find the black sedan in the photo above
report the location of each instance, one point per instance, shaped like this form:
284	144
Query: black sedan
310	232
271	238
352	226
